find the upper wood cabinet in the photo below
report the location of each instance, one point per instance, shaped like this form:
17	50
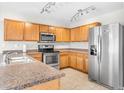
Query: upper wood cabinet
31	32
81	33
84	33
84	30
19	31
65	35
58	33
13	30
62	34
75	34
52	29
44	28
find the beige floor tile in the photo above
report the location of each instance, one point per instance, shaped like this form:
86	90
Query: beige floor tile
76	80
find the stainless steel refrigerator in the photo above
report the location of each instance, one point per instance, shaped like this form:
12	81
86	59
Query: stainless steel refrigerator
106	55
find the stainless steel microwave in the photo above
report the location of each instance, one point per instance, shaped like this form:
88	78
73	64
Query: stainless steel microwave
47	37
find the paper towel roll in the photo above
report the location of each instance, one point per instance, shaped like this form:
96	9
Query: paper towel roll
24	48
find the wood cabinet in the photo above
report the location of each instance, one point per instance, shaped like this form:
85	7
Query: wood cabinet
36	55
75	33
64	58
72	60
52	29
13	30
62	34
19	31
58	33
81	33
31	32
44	28
84	31
65	35
85	63
80	62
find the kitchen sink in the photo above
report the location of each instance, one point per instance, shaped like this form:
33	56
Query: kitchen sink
20	59
17	58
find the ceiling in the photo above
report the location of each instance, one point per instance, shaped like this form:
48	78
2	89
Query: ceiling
61	13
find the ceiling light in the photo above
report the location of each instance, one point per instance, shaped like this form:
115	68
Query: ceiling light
81	12
47	7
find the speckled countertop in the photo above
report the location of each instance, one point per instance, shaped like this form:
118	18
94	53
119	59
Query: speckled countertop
21	76
56	49
72	50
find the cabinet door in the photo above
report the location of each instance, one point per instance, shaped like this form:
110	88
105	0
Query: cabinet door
84	32
31	32
75	34
73	61
63	60
52	29
13	30
58	34
65	35
86	63
80	62
44	28
37	56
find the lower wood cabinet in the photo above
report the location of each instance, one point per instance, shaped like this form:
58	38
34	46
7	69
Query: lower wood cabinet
86	63
80	62
64	59
74	60
36	55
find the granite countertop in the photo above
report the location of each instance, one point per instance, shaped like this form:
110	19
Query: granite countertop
21	76
73	50
56	49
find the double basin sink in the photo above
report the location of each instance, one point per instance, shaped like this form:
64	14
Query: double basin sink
16	58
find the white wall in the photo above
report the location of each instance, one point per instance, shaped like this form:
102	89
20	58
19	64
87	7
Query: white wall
79	45
113	17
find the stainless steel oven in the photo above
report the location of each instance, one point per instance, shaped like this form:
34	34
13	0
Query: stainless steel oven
52	59
47	37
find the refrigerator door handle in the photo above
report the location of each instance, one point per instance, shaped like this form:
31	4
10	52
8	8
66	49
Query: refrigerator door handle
98	51
100	48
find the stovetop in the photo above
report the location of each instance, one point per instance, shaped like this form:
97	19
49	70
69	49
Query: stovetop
52	51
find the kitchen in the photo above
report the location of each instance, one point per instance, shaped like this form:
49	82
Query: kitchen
52	52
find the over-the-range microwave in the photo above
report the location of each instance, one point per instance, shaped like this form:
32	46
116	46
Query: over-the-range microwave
47	37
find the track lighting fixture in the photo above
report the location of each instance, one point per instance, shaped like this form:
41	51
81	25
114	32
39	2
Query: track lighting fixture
81	12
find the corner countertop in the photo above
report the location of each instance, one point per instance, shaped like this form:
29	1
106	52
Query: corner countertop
33	51
21	76
72	50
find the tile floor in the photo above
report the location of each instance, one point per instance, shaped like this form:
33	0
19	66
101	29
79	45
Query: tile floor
76	80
